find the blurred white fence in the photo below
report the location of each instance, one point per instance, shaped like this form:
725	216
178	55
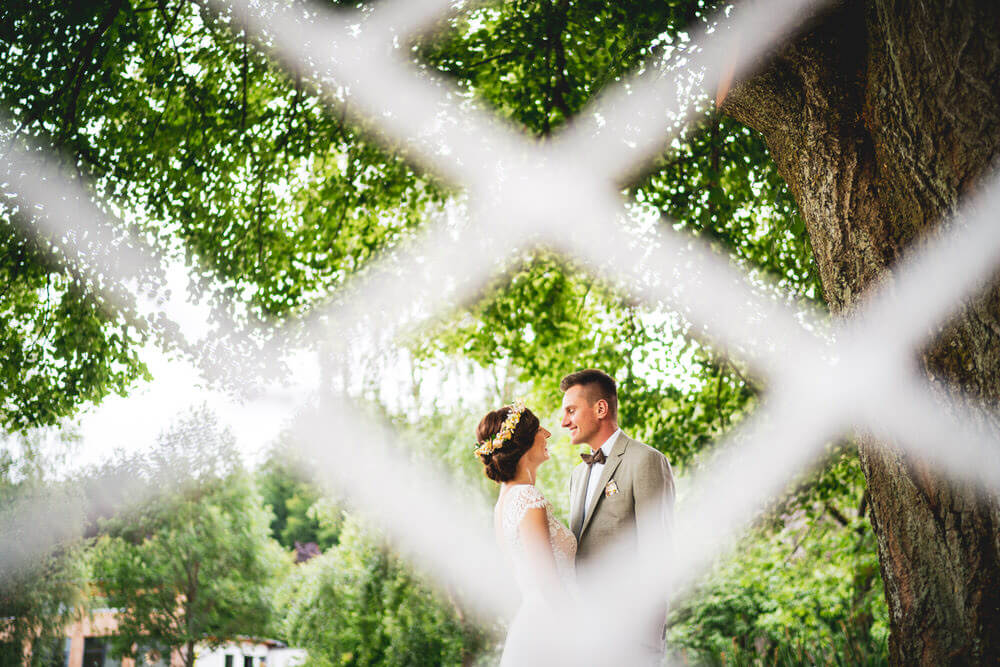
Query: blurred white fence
523	193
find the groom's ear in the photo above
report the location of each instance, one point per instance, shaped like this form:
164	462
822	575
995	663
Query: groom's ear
601	407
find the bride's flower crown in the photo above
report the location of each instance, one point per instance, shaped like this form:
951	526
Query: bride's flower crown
506	429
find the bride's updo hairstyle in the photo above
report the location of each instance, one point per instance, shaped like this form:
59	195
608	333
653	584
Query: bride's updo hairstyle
501	464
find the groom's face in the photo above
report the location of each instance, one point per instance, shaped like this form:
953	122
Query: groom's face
579	415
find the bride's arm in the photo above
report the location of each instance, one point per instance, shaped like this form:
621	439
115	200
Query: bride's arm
541	565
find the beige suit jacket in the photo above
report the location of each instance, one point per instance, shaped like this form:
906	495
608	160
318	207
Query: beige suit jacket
631	511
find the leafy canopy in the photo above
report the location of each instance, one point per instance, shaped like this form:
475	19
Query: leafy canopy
218	156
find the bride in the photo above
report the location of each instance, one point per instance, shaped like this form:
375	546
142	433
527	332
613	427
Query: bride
512	444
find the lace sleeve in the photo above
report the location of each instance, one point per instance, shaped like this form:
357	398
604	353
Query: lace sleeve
522	499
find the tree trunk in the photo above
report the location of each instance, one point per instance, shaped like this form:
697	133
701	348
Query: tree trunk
880	118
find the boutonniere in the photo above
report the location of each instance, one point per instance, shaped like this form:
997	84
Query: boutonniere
611	489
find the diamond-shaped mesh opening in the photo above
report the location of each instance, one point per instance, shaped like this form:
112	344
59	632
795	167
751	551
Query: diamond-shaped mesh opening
540	64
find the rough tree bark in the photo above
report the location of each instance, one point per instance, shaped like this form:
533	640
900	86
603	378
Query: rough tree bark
880	118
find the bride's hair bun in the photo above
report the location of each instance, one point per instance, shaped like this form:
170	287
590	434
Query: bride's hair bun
501	464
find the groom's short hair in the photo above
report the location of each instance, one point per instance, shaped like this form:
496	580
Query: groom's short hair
597	384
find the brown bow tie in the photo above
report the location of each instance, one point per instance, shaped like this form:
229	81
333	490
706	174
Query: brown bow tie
596	457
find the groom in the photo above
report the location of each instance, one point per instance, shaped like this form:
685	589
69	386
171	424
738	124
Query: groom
621	495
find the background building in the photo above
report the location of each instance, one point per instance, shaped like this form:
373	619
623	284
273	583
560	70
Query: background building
88	644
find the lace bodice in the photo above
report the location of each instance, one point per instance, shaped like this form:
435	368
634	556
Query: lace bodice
515	503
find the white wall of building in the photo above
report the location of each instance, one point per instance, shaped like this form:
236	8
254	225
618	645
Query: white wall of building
262	655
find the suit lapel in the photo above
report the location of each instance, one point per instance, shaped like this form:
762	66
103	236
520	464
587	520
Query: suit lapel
609	469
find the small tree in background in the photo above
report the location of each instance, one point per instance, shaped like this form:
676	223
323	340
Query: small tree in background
296	503
196	565
39	599
48	590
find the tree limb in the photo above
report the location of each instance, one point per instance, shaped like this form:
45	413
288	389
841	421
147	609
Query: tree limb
83	62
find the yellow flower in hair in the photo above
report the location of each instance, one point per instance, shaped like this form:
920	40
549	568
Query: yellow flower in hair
506	429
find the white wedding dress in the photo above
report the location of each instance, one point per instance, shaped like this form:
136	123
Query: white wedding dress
521	645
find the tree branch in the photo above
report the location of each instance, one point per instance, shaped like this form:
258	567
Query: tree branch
245	66
836	514
81	66
560	83
484	61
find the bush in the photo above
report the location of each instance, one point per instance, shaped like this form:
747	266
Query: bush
358	604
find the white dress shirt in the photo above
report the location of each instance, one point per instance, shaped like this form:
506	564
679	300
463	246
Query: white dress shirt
597	468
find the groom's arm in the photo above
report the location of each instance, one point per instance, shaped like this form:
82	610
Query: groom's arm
653	493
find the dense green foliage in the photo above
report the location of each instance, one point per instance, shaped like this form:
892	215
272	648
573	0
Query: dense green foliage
60	347
539	63
804	589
